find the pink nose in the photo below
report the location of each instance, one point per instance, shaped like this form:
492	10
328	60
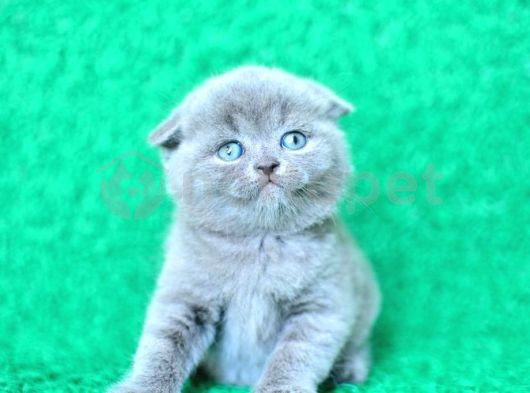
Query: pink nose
268	168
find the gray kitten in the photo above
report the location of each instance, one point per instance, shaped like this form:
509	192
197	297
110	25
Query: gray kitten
261	286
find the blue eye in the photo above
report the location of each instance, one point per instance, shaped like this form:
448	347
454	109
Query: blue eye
230	151
293	140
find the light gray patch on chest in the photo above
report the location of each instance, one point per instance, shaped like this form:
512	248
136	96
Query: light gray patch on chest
245	339
272	272
251	322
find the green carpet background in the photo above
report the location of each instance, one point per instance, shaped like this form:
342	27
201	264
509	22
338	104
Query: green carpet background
441	83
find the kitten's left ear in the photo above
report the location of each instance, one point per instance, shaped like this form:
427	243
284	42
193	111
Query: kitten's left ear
333	106
167	134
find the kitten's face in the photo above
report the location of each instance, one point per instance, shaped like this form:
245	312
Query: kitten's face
258	150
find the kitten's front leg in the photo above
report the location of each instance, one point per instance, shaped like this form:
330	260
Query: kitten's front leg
305	352
175	336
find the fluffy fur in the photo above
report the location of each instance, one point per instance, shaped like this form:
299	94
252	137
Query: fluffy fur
261	286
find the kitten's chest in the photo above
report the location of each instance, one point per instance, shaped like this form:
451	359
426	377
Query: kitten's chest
270	267
256	295
246	336
256	281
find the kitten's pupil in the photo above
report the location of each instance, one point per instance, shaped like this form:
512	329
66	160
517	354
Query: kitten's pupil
228	149
295	139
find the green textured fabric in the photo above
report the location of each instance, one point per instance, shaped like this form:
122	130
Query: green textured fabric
443	85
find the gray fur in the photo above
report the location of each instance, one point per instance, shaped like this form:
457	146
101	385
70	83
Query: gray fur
260	286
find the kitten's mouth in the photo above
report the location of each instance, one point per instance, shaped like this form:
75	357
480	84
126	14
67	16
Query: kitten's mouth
271	183
269	186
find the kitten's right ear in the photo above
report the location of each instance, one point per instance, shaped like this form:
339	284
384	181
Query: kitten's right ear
168	134
333	106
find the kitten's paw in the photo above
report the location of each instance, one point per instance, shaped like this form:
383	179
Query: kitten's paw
128	387
354	370
283	389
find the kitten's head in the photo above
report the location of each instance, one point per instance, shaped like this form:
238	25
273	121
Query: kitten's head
255	149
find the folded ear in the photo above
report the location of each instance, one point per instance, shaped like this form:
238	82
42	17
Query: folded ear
167	134
332	105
